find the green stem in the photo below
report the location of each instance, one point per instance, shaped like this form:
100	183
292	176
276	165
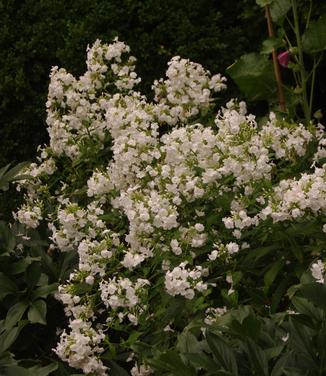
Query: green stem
312	85
290	23
309	15
303	73
295	57
313	79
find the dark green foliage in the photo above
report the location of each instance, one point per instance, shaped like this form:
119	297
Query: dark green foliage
243	343
28	279
35	35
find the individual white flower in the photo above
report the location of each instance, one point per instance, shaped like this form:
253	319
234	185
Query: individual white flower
318	271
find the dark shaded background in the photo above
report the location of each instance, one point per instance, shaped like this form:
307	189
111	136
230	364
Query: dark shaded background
37	34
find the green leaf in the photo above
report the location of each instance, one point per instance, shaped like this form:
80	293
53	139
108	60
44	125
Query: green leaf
274	352
272	273
321	346
262	3
222	353
7	360
7	286
280	293
171	361
202	361
17	371
278	369
14	314
249	327
44	291
33	274
3	170
116	370
37	312
187	343
314	38
279	9
255	254
292	371
302	343
43	371
315	293
305	307
253	73
270	44
257	358
7	238
8	337
8	176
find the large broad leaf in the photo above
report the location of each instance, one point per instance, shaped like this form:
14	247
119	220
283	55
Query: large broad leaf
257	358
43	371
37	312
8	337
222	353
188	343
262	3
314	38
279	9
305	307
272	273
253	73
249	327
302	343
14	314
278	369
315	293
270	44
172	362
44	291
7	286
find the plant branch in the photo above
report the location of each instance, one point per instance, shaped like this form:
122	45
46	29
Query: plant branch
277	71
303	73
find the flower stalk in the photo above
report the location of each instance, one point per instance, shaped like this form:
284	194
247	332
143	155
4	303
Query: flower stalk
277	72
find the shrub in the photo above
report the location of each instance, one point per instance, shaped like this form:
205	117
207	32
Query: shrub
177	213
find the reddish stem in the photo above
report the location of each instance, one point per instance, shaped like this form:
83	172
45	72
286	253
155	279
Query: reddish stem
277	71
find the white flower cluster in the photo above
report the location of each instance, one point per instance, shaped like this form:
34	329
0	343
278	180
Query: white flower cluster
185	92
75	224
81	348
94	255
122	293
29	214
212	314
128	196
184	281
292	199
76	108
